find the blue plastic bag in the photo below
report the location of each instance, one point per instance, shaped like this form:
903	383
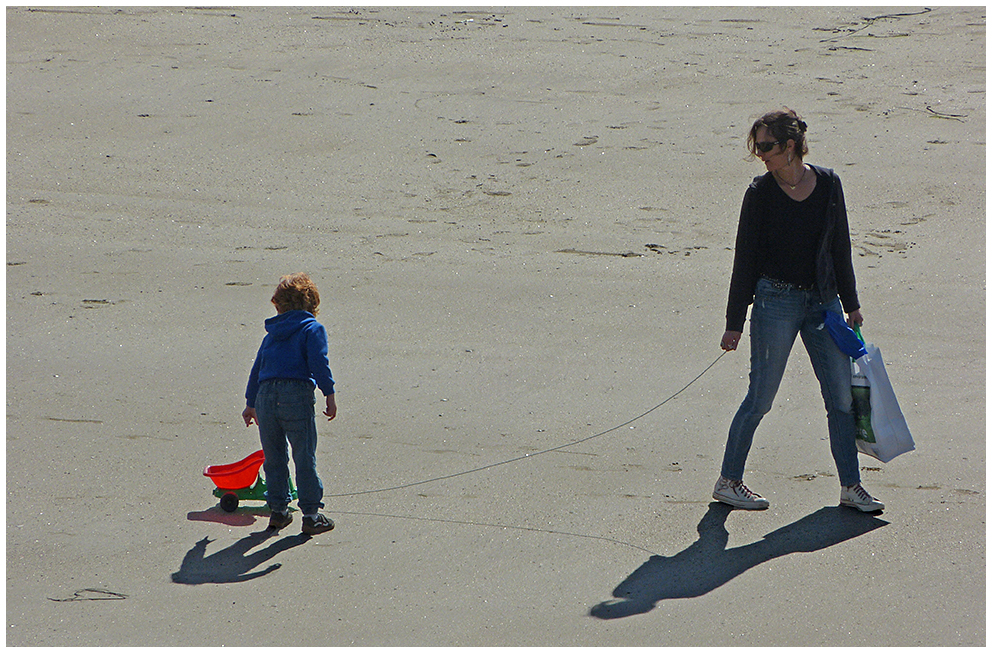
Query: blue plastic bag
845	337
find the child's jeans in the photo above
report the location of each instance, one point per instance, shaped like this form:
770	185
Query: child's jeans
285	412
780	313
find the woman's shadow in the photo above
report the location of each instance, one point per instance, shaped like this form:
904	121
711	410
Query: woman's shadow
708	564
233	564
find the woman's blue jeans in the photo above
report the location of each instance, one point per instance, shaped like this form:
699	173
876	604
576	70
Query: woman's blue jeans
779	314
285	412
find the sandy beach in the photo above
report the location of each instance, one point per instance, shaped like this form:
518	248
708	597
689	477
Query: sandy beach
521	221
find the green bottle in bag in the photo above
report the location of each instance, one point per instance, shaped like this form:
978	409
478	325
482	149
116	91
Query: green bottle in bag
861	399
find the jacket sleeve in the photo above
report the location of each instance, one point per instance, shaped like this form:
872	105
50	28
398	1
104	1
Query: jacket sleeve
745	274
841	253
320	369
251	392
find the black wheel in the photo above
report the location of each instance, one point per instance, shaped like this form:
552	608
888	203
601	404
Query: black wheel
229	502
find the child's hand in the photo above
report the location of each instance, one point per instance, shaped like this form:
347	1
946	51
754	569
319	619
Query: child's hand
332	409
249	416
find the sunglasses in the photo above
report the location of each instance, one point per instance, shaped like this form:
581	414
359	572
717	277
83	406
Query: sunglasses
767	147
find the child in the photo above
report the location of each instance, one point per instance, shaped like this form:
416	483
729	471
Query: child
280	399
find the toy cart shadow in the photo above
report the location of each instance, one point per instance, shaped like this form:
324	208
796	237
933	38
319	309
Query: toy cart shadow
240	481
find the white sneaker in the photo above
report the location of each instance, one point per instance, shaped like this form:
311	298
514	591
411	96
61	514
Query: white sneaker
856	496
736	494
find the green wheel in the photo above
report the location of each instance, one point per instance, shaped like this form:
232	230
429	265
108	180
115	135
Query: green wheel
229	502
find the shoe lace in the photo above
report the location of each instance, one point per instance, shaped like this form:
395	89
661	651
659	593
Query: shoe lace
861	492
743	490
747	492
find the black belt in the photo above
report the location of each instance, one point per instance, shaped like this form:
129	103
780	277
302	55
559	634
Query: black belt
785	285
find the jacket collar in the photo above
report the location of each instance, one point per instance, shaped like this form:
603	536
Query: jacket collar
763	181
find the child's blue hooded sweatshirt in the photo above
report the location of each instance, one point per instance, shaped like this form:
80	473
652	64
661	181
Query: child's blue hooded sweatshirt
295	347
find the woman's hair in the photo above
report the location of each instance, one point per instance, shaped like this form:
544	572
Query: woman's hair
783	125
296	292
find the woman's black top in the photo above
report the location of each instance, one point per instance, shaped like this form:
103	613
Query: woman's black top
806	243
789	235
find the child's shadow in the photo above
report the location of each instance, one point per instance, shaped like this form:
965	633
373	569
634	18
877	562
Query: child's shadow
707	563
233	564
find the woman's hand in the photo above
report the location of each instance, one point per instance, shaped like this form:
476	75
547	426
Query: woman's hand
730	340
854	318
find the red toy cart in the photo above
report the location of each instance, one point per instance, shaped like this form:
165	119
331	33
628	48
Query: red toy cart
240	481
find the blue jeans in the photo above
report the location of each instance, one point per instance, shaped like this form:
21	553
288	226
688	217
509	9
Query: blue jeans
285	412
778	315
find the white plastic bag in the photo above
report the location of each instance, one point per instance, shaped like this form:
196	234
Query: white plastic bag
888	435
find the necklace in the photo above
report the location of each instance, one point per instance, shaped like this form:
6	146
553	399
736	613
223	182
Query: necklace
793	186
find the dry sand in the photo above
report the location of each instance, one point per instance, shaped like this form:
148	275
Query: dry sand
521	222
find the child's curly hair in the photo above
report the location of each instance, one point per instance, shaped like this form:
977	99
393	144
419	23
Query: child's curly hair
296	292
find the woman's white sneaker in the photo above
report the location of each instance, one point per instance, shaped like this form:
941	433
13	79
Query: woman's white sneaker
736	494
856	496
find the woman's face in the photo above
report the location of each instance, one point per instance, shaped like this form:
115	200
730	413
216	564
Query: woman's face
777	157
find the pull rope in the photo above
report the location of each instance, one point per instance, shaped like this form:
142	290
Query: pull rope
532	455
530	529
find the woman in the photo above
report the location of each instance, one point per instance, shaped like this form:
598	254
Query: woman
792	262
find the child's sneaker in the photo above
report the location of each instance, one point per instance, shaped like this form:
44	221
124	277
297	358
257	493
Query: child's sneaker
856	496
317	524
736	494
280	520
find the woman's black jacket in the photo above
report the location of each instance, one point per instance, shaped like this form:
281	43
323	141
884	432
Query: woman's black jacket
834	267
